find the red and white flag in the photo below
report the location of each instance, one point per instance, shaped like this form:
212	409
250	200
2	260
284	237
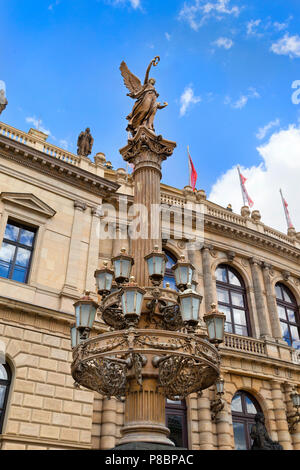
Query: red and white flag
286	211
192	172
246	198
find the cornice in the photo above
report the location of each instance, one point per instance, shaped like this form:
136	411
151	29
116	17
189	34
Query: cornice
251	237
58	169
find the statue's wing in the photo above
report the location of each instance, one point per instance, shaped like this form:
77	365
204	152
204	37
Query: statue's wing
132	82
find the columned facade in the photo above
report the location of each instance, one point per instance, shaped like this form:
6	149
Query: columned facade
60	197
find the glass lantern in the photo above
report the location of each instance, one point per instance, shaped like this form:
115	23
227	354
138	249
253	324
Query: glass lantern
215	322
189	306
183	272
295	399
220	386
85	313
132	301
75	336
156	263
122	266
104	279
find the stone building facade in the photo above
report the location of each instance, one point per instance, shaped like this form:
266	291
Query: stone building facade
55	198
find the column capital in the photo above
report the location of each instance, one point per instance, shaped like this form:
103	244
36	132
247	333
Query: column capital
286	275
79	205
97	211
231	255
147	149
255	261
207	246
266	266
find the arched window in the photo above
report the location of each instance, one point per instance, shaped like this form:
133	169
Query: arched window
244	407
5	380
169	274
289	315
176	421
232	300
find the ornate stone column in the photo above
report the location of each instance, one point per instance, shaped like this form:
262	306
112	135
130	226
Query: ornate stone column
223	428
71	280
205	423
284	436
145	406
271	302
259	298
146	152
108	424
295	435
209	288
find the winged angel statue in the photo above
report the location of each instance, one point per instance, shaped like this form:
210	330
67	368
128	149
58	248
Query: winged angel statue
146	105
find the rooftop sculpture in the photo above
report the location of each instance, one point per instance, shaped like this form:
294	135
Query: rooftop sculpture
146	105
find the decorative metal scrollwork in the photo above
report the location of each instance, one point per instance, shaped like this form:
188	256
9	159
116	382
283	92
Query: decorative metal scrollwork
179	376
172	319
103	375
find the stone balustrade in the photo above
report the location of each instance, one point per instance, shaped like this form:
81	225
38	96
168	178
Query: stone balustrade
244	344
34	141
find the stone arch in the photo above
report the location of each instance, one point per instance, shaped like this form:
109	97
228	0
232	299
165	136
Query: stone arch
279	279
12	366
235	265
173	249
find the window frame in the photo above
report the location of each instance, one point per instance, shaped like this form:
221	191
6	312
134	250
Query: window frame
169	273
179	409
239	290
17	245
243	417
7	384
288	306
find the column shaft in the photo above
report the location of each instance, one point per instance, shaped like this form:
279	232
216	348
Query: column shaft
271	302
71	280
207	279
259	299
284	436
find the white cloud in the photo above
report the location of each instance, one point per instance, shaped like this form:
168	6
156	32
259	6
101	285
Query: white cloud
168	36
226	43
135	4
53	5
288	45
262	131
280	168
197	13
38	124
252	27
242	100
187	99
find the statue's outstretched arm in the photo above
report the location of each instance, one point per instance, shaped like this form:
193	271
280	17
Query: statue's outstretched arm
153	62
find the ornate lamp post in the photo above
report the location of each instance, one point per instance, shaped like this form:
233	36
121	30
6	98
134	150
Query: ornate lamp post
152	351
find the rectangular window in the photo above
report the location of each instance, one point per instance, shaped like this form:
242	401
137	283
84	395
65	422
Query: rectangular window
16	251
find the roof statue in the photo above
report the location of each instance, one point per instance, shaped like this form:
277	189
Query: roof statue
85	143
3	100
146	105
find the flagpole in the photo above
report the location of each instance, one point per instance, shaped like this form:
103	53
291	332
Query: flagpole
190	170
287	216
242	189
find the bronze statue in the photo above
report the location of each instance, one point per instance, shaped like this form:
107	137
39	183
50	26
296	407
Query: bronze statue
260	436
3	101
146	105
85	143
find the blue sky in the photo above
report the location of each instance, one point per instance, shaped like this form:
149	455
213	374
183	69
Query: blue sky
226	70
